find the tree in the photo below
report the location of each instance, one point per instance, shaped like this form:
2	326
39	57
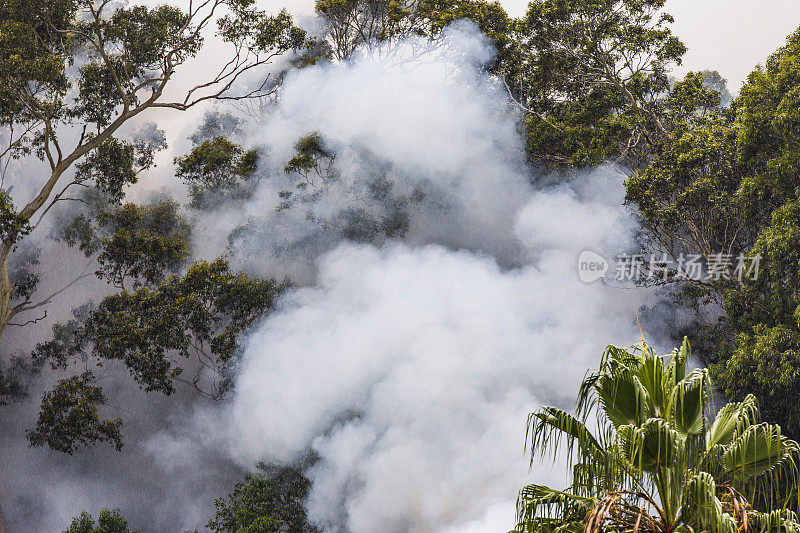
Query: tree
216	170
660	461
591	77
763	357
107	522
687	194
688	201
184	324
270	501
76	74
69	417
90	66
370	23
725	182
370	204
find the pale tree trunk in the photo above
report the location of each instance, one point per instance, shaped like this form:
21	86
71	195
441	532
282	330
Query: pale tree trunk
6	288
5	315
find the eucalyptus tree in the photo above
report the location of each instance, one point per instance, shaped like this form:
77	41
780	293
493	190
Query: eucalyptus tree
75	75
660	459
269	501
591	76
107	522
350	24
75	71
726	182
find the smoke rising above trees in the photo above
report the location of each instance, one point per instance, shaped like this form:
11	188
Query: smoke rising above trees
366	275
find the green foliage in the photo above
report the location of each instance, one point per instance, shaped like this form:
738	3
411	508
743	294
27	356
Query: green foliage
688	195
768	112
15	375
764	357
110	166
660	460
216	124
216	170
314	168
183	329
192	321
142	243
137	244
107	522
34	49
270	501
726	180
258	32
715	182
490	18
353	23
44	38
13	226
147	140
312	155
69	416
713	81
591	76
92	67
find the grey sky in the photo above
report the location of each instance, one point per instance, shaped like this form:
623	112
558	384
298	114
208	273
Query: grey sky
732	36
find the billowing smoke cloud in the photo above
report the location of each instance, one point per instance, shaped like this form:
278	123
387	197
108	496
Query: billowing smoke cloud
424	115
408	367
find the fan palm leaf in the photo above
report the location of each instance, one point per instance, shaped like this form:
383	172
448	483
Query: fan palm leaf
660	460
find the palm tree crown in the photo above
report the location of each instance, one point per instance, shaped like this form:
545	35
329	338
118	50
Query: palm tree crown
659	460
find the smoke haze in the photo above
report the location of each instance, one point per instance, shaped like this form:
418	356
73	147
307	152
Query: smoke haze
408	368
405	366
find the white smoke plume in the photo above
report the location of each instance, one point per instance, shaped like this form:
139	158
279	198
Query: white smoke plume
408	367
427	116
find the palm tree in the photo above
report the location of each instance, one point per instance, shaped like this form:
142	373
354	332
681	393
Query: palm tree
659	461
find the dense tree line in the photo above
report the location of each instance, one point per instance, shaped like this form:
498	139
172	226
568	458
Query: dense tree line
709	174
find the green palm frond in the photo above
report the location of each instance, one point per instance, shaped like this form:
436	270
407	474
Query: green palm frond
689	403
700	505
659	460
649	447
776	521
651	375
624	399
731	421
542	509
550	428
759	450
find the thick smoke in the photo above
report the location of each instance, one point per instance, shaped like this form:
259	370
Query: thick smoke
408	367
424	116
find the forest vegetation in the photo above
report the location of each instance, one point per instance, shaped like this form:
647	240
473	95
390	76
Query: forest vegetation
592	81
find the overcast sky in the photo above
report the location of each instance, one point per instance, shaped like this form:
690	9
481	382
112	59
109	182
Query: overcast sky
732	36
